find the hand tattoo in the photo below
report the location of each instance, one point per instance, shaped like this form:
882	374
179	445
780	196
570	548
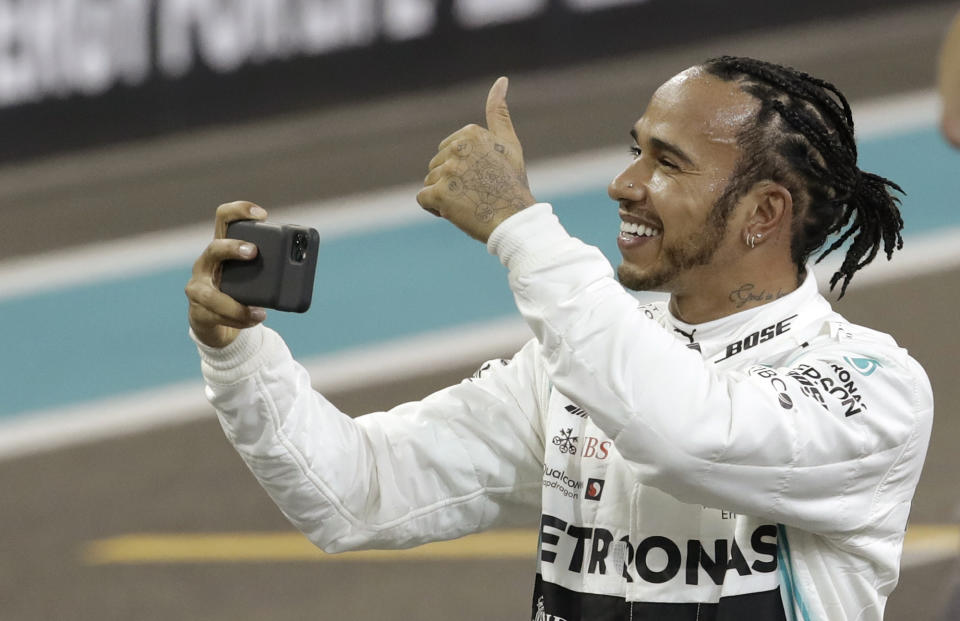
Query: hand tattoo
487	182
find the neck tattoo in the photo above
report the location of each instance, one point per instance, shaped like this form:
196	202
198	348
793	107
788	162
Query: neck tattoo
748	293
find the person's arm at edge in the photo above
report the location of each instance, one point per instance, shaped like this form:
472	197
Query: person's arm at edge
948	83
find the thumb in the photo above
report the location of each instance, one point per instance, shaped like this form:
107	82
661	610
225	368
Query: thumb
498	115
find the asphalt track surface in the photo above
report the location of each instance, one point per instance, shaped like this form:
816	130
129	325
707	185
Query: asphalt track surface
186	479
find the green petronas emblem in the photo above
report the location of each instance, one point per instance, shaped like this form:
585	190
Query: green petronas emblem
863	366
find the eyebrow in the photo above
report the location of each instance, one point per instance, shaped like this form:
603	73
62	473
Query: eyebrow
662	145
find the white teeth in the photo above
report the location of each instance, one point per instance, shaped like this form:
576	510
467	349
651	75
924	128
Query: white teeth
638	229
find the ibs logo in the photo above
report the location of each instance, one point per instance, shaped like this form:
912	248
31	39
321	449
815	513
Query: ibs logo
596	447
594	489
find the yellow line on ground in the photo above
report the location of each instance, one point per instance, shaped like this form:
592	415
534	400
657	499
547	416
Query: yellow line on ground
930	543
933	536
265	547
924	542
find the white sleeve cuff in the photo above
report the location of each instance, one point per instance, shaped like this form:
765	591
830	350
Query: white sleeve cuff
528	237
236	361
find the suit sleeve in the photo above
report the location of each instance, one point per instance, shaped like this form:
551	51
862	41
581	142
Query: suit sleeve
464	459
815	444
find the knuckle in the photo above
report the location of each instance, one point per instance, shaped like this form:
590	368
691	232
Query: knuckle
427	200
213	250
236	210
201	296
235	205
225	248
191	289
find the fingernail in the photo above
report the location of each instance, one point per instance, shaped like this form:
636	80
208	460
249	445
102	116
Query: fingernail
245	250
258	212
258	314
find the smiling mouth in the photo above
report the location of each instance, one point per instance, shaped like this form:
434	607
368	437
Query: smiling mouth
632	230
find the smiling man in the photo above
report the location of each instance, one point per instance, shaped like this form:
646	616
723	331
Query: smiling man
742	452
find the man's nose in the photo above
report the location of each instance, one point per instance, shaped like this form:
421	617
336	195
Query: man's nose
627	186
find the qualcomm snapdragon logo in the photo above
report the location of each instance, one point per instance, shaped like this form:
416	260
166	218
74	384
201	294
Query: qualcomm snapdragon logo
594	489
558	479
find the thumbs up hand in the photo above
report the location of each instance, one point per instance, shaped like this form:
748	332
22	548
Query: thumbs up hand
477	179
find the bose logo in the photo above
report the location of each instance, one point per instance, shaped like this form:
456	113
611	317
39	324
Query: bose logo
760	336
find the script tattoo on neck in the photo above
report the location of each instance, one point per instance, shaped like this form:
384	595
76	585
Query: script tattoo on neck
748	293
487	182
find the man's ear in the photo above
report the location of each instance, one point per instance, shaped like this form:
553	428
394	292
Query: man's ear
770	213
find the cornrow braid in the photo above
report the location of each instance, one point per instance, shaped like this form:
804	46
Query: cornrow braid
802	137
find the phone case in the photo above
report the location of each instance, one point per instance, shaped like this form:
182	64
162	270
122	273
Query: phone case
281	275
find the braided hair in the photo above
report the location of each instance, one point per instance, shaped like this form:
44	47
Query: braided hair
802	137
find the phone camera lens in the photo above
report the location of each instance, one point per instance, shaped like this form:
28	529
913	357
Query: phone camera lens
300	243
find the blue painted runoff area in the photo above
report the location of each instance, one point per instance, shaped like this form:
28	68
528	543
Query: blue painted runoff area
84	343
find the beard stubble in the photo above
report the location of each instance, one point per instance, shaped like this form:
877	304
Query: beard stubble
696	249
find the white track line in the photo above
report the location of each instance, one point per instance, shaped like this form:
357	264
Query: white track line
922	254
394	360
373	211
397	359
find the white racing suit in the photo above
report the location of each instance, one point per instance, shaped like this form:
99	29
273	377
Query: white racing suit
757	467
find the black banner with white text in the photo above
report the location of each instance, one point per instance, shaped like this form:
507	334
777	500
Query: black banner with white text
79	72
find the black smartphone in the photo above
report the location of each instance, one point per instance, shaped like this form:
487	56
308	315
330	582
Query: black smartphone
281	275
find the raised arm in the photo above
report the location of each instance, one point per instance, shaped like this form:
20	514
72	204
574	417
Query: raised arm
719	440
463	459
948	82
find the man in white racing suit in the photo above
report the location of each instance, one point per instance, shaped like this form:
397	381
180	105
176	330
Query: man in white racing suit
742	452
